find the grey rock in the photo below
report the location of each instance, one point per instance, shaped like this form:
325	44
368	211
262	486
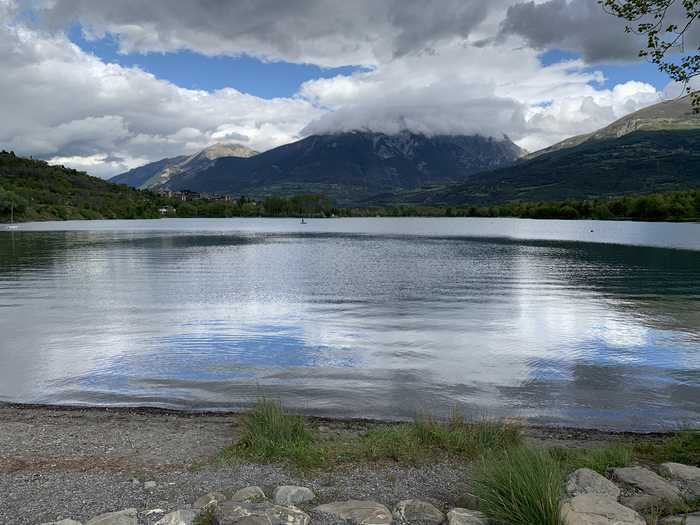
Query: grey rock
150	485
248	494
417	511
587	481
63	522
179	517
254	520
648	482
122	517
680	471
209	499
292	495
466	517
358	512
691	519
251	513
593	509
692	489
642	502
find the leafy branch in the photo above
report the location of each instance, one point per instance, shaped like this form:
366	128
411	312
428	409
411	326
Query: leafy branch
665	39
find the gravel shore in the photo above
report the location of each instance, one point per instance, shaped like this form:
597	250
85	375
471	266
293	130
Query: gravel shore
64	462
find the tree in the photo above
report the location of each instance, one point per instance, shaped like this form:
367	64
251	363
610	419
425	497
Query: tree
665	24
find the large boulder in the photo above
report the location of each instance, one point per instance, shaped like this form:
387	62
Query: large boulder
647	482
642	502
685	476
690	519
593	509
357	512
292	495
264	512
680	471
122	517
466	517
179	517
211	499
587	481
416	511
248	494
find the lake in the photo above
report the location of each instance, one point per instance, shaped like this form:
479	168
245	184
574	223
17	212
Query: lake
578	323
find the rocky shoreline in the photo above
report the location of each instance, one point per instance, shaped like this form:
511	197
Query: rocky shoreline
592	500
82	464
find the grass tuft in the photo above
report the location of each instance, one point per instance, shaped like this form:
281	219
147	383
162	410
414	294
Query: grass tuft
206	517
682	447
521	486
426	438
269	434
598	459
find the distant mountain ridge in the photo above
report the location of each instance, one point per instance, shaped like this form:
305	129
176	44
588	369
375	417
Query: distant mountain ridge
351	166
654	149
669	115
159	174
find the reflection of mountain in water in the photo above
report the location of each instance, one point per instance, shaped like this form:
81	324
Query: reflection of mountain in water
660	286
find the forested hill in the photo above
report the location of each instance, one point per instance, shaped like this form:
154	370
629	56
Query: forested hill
39	191
637	163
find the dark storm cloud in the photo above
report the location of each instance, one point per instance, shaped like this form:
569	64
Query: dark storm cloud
325	32
577	25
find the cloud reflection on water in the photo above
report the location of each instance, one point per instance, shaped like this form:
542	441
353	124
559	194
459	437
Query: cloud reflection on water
354	325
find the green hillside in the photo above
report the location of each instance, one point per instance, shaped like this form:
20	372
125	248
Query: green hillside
39	191
636	163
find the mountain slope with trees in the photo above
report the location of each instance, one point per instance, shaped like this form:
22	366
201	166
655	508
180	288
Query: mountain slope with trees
350	167
653	150
39	191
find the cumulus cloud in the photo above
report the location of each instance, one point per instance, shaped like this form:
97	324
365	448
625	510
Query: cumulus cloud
585	112
323	32
424	112
465	90
435	68
580	26
61	103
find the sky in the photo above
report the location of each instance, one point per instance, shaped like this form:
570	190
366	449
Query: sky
106	86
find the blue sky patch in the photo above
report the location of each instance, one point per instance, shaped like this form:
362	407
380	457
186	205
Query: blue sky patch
619	73
195	71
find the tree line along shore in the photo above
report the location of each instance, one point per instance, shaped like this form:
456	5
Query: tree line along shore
32	190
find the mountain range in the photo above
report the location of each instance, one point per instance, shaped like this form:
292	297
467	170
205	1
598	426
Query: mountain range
161	173
347	167
654	149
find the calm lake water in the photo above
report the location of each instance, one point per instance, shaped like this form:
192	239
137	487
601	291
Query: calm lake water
581	323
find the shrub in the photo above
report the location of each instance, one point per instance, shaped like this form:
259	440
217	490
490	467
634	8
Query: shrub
519	487
598	459
270	434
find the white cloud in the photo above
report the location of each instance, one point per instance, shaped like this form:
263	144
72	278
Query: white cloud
491	90
324	32
436	68
60	102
